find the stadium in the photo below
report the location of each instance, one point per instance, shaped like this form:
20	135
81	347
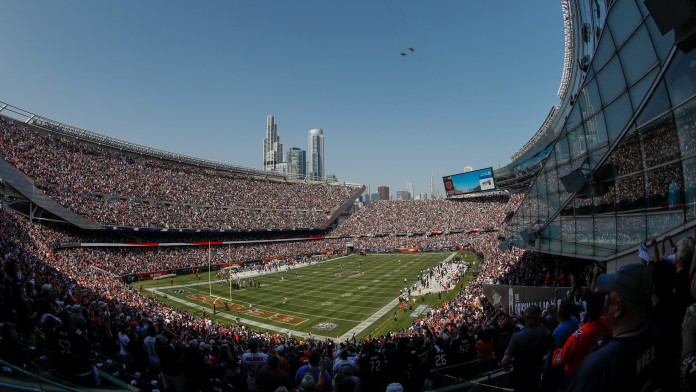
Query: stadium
130	267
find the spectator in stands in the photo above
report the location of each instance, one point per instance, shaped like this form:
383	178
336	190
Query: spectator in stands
688	350
271	378
252	362
683	261
554	377
633	359
666	315
484	350
528	348
586	339
169	355
308	376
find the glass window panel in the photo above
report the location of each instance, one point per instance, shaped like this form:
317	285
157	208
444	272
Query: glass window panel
611	81
576	145
616	116
604	50
562	171
585	230
657	104
664	187
689	168
622	20
526	209
552	180
596	156
604	201
543	211
589	100
659	141
533	190
554	203
574	119
630	231
663	221
561	150
685	122
637	56
661	43
605	234
630	193
568	210
551	159
583	205
681	76
568	234
541	183
626	156
564	196
596	132
553	230
543	244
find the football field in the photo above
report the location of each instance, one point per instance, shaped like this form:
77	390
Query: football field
335	298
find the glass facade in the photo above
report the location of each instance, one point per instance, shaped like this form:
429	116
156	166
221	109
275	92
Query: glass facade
631	132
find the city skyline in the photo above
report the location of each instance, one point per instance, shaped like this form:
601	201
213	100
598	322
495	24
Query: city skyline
198	84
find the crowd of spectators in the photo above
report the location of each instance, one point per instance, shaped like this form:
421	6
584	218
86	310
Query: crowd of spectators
69	304
419	216
400	233
164	348
117	188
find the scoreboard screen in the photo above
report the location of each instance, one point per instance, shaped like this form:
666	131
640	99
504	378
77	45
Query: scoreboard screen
473	181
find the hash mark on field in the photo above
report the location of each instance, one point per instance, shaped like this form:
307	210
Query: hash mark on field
362	287
347	295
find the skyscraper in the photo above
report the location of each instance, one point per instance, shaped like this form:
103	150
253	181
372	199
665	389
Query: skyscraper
272	148
383	192
316	154
297	162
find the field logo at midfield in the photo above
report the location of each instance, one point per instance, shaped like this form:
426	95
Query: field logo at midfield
264	314
325	326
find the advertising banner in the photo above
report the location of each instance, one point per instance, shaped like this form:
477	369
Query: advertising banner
515	299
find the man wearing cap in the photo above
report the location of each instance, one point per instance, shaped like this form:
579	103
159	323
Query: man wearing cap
528	348
631	360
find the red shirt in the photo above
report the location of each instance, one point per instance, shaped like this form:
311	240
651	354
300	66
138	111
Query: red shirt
484	350
580	344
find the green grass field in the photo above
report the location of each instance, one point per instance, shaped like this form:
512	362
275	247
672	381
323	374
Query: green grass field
339	297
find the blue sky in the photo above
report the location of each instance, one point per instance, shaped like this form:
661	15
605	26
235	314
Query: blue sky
199	78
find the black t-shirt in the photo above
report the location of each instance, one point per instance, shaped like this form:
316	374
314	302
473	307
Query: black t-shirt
73	350
527	348
633	363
